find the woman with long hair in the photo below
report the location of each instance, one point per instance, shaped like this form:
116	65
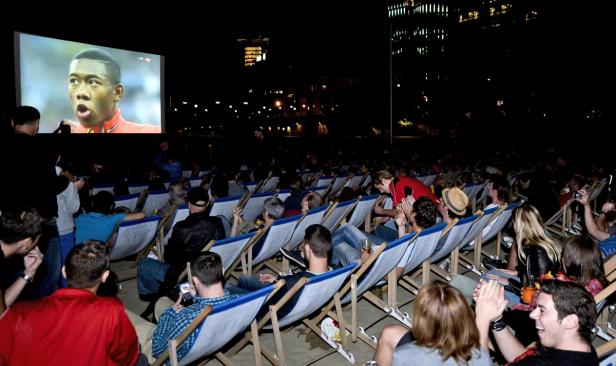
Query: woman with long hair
582	263
444	332
534	252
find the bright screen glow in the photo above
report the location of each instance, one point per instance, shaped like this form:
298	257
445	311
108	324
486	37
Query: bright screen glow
83	91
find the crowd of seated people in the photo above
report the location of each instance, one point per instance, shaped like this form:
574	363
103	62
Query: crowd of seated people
451	322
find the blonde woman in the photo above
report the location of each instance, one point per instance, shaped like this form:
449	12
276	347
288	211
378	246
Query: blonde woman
534	252
444	332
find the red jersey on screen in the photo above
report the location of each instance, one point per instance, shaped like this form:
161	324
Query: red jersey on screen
418	189
117	124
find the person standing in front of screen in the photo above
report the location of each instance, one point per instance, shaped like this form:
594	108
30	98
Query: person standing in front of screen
95	89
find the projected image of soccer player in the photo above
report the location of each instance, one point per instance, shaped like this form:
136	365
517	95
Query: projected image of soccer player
95	89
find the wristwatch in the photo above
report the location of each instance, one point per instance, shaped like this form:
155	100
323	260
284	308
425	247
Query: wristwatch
27	278
498	325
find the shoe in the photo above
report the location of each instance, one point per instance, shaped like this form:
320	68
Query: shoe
493	264
445	265
329	328
294	256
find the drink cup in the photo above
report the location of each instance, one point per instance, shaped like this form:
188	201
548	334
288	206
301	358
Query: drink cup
366	245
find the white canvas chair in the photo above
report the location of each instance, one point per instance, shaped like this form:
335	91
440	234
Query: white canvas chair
132	237
363	208
320	190
474	234
283	194
195	182
471	192
251	186
217	325
316	291
102	187
230	249
323	181
337	185
382	262
314	216
154	201
355	181
186	173
306	175
498	224
137	188
275	238
270	184
254	205
337	213
449	244
180	214
129	201
419	251
224	207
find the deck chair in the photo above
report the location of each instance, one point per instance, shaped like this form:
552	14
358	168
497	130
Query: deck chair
186	173
475	233
603	327
315	292
320	190
154	201
337	214
306	175
314	216
363	208
323	181
382	262
607	349
275	238
137	188
337	185
129	201
449	244
102	187
283	194
499	223
251	186
224	207
417	255
595	190
471	192
195	182
180	214
231	249
254	205
217	325
561	222
270	184
355	181
133	236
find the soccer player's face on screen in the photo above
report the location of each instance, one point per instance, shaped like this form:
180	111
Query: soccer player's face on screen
93	95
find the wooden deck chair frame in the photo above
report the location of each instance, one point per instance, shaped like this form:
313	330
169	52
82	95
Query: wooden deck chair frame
455	253
603	326
350	293
171	352
560	222
351	205
272	315
474	264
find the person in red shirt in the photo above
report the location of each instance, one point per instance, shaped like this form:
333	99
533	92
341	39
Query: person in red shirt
73	326
95	89
398	188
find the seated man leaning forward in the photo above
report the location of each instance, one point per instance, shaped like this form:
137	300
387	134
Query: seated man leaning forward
73	326
207	276
316	247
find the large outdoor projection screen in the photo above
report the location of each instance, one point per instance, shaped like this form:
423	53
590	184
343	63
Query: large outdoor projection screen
43	80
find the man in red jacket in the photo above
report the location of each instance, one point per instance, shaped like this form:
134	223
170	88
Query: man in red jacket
73	326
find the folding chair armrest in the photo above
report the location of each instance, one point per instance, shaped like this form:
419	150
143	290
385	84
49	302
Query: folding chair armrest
180	339
610	266
605	293
606	348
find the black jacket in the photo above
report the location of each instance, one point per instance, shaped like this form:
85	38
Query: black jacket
537	262
188	238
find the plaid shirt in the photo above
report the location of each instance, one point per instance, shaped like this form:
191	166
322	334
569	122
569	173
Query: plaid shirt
171	324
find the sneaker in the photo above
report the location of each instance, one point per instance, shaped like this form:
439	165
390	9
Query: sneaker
295	256
445	265
329	328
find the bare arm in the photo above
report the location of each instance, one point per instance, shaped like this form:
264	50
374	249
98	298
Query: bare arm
134	216
32	260
589	220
